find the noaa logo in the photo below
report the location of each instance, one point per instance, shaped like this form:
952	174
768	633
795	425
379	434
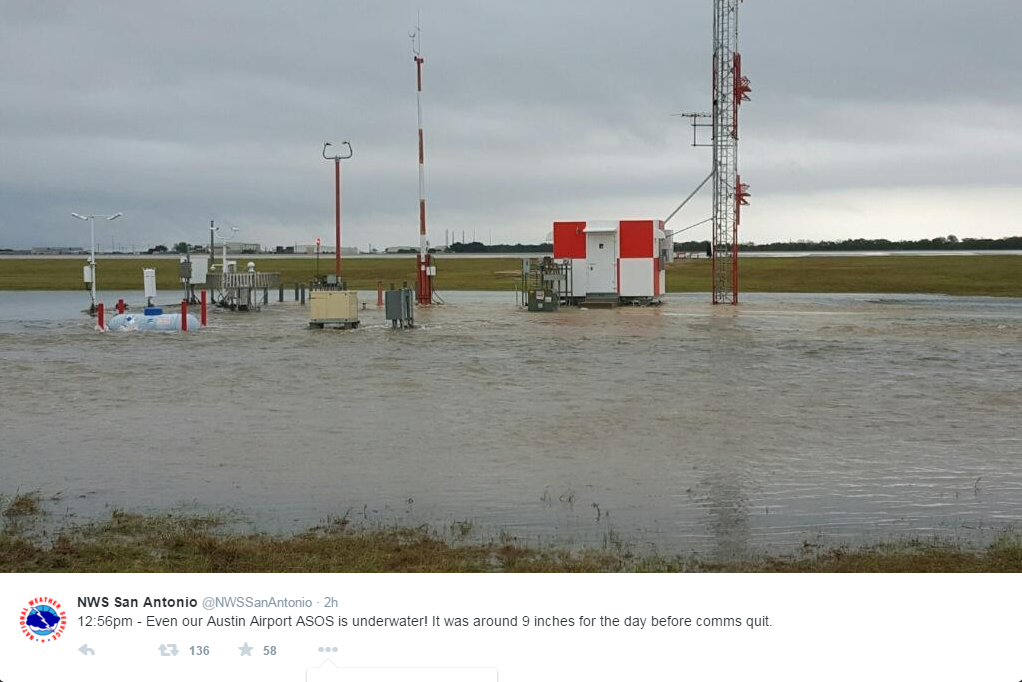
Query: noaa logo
43	620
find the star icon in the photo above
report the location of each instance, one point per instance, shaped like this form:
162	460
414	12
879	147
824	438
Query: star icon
246	650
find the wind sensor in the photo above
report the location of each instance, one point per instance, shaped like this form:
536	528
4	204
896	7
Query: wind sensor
337	203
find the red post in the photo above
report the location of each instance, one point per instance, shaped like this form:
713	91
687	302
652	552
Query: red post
337	212
184	315
337	203
424	283
100	317
120	306
202	308
379	293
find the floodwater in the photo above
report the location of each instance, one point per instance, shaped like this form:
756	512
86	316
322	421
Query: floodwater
684	429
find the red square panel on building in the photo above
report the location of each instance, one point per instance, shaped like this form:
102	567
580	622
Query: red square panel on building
569	240
637	239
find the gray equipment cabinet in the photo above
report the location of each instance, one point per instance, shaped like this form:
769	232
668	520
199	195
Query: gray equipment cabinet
543	300
399	306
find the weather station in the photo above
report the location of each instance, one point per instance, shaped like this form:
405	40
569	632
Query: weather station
234	290
331	303
90	268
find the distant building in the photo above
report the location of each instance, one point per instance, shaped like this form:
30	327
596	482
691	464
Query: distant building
401	249
311	248
243	247
57	250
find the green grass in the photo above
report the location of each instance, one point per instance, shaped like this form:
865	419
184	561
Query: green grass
954	275
174	543
27	274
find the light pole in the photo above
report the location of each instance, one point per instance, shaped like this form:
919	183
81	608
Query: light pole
337	202
92	252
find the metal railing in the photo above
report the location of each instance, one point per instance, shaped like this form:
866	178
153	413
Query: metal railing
242	280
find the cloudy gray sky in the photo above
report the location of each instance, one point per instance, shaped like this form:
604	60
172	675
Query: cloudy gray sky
869	118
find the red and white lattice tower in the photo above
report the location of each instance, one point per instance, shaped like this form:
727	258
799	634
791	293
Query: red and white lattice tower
424	266
730	89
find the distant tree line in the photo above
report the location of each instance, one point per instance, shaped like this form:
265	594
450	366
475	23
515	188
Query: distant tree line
948	243
180	247
479	247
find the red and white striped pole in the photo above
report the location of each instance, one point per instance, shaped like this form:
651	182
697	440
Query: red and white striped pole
424	281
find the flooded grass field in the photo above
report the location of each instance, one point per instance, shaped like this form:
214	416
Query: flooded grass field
685	429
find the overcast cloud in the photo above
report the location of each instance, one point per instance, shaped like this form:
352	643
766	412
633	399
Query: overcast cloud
869	118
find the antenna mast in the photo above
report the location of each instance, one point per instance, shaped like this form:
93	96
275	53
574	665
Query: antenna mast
730	89
425	270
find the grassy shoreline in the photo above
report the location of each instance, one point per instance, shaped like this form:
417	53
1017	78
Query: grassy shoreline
176	543
952	275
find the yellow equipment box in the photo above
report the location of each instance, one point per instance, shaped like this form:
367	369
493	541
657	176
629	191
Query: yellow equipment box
335	308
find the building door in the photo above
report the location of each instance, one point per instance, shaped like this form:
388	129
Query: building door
601	259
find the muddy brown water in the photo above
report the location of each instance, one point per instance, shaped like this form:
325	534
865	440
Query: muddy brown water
684	429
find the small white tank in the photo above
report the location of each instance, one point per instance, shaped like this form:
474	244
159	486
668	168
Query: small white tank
165	322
